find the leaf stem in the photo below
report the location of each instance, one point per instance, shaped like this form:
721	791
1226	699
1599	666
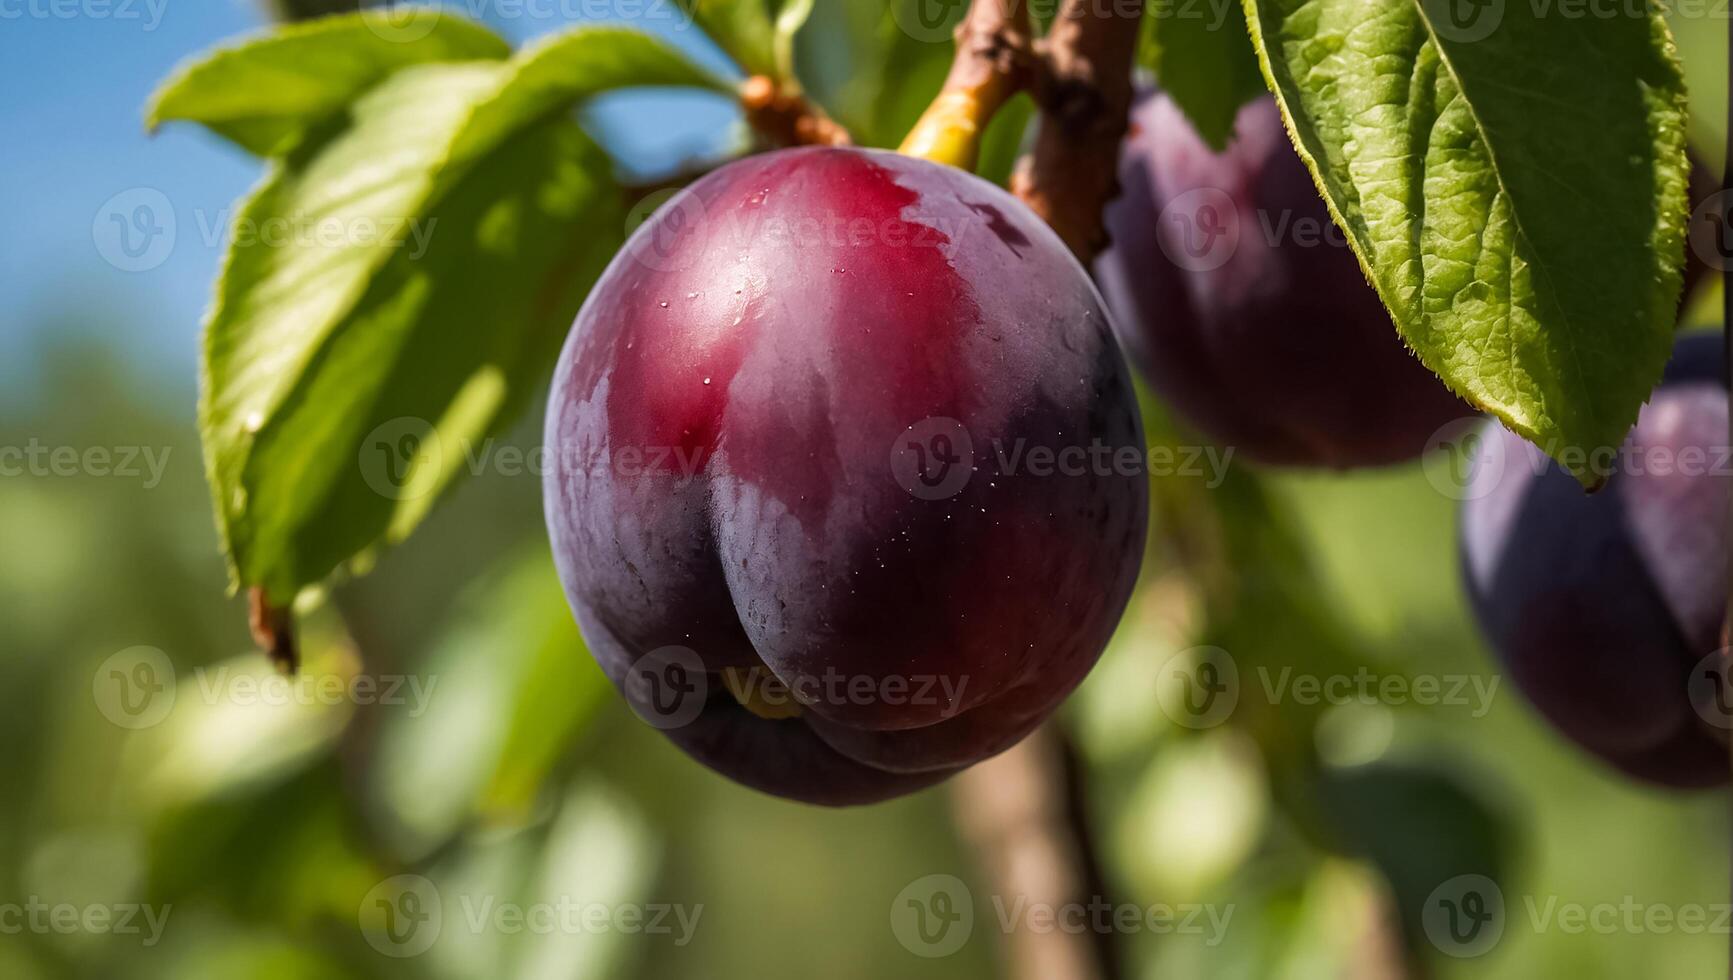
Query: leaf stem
273	630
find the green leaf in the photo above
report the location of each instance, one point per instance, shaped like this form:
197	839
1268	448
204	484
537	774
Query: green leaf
265	92
1421	824
514	687
742	29
394	289
864	62
1203	59
552	74
229	729
1516	190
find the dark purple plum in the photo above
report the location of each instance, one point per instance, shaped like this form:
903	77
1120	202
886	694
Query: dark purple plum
1602	606
1238	298
778	484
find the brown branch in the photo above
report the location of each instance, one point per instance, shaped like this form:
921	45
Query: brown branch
1023	814
783	116
1085	96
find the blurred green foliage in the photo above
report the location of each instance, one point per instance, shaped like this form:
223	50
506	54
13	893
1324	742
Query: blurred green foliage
504	770
516	773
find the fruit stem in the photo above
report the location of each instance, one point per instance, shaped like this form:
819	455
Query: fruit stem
1073	171
783	116
273	630
994	61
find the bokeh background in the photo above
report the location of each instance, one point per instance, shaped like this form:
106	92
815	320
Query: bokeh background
493	759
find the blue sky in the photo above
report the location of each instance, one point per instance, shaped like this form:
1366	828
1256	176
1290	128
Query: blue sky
76	73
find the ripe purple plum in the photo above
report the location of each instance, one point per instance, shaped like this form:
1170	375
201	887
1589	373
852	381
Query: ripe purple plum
1605	607
807	489
1240	301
